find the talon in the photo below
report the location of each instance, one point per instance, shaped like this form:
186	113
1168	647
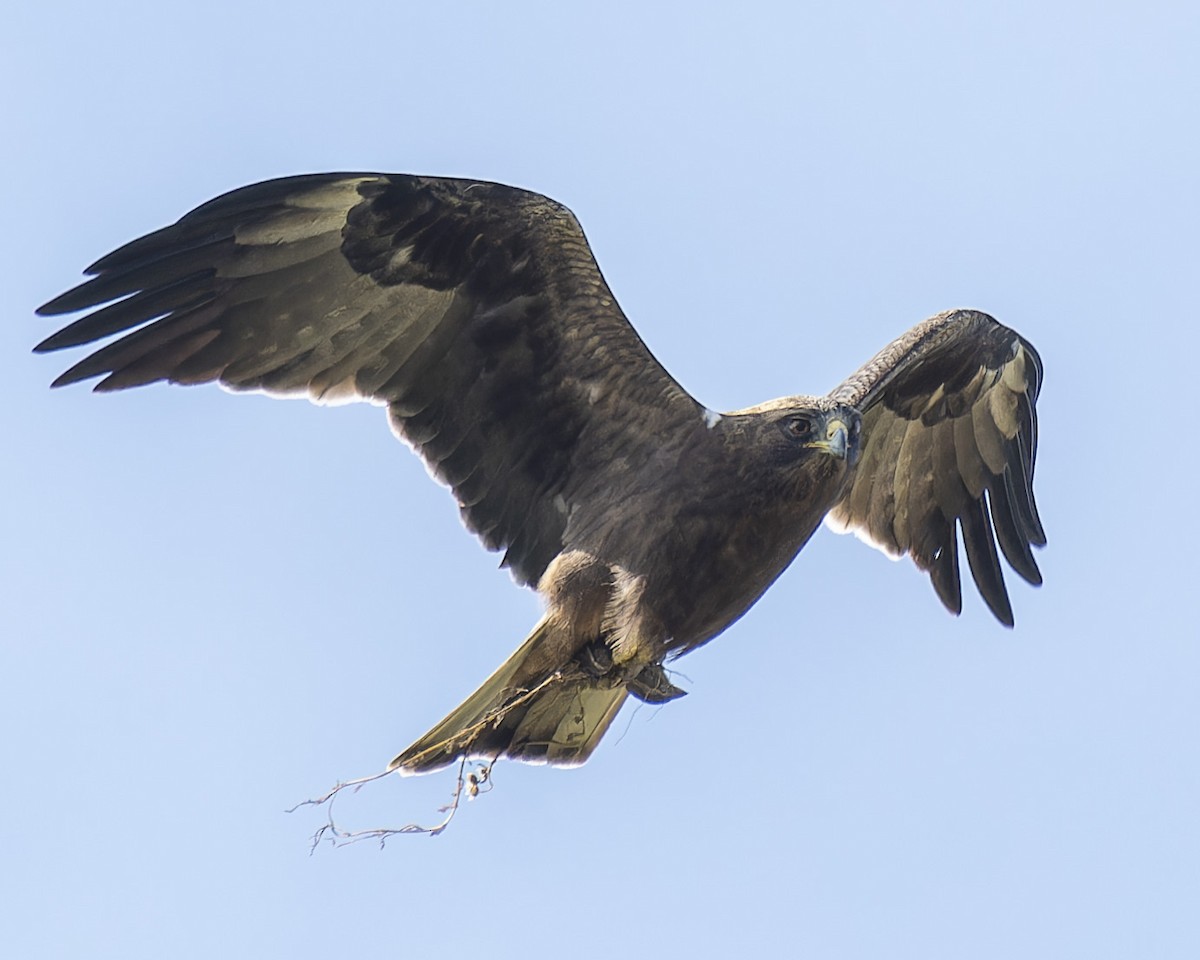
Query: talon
596	659
652	686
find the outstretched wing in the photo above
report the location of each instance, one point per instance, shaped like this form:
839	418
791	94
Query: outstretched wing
949	440
474	311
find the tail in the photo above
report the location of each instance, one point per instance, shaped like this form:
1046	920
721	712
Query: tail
528	710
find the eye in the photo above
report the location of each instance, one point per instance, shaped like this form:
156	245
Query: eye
798	427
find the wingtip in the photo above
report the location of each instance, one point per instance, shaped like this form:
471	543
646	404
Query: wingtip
68	302
51	308
999	604
60	340
65	380
78	375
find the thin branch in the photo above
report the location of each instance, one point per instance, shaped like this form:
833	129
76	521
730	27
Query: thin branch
342	785
471	784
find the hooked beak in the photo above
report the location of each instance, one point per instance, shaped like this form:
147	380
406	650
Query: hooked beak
837	441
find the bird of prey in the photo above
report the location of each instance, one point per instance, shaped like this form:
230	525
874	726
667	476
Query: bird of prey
477	316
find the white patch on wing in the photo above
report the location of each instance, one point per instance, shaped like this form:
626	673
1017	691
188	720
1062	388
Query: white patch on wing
338	195
339	399
339	394
312	212
835	522
1013	373
711	418
291	226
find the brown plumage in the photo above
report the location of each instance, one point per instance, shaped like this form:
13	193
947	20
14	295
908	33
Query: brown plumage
476	314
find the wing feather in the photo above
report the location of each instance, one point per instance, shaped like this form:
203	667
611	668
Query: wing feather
980	545
913	481
967	457
1013	543
858	500
961	391
475	312
881	496
943	569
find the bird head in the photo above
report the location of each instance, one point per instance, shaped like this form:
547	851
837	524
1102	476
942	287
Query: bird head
798	429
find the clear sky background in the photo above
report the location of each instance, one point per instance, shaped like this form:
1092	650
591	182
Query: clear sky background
213	607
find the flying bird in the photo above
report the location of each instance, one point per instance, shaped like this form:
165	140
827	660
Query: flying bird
476	314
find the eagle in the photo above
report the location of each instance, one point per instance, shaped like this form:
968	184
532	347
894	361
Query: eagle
476	315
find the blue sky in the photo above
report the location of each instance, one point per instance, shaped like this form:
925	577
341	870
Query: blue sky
212	607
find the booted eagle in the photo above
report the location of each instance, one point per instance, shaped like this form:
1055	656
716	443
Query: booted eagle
476	314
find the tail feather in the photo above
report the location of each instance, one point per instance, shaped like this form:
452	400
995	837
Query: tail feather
523	711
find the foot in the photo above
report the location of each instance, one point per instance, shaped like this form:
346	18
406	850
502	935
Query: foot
652	685
596	660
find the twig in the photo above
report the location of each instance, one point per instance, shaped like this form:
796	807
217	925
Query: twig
472	784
